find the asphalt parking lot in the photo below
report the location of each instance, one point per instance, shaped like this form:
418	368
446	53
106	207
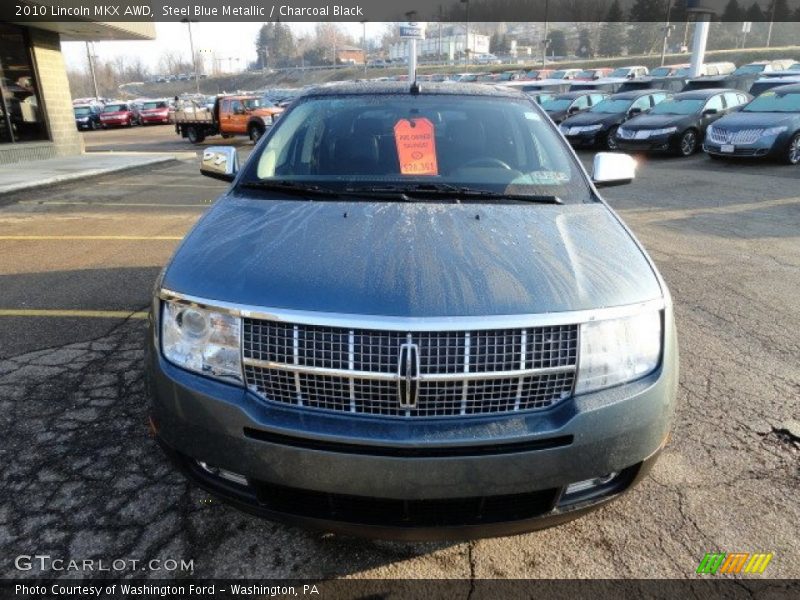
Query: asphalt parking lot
82	478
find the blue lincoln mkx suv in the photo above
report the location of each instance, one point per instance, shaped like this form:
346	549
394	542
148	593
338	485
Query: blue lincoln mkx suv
412	316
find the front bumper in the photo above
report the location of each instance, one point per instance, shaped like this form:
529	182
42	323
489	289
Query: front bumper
154	119
756	150
446	478
661	143
587	139
116	121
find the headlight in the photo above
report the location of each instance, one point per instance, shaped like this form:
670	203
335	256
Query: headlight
663	131
564	128
773	131
616	351
589	128
624	134
201	340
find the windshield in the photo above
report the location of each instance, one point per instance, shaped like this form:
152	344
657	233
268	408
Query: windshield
678	107
557	104
773	102
251	103
794	67
401	142
558	74
620	72
585	75
541	98
468	78
153	105
82	111
611	106
109	108
683	72
744	69
661	72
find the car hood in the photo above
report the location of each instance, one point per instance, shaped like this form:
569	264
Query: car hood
590	118
657	121
412	260
750	120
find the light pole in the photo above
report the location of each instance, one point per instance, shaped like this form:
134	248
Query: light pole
90	56
544	40
667	30
364	44
412	51
466	34
771	22
194	58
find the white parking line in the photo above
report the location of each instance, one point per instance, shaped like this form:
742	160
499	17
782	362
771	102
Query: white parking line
124	204
131	238
93	314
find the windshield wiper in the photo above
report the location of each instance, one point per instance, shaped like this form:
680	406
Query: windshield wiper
454	192
292	187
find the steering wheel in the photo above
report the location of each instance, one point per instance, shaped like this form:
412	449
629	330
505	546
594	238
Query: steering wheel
486	161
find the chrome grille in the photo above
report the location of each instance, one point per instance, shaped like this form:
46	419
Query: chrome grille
453	373
743	136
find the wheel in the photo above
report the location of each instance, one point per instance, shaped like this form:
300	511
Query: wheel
688	143
194	135
255	133
793	151
93	125
611	139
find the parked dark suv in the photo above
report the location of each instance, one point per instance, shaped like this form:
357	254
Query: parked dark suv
413	316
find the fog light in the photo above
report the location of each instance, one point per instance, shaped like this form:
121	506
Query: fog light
223	474
588	484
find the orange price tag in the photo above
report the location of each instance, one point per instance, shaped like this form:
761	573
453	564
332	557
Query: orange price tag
416	147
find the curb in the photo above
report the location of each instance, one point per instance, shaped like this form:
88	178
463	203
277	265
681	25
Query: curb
80	176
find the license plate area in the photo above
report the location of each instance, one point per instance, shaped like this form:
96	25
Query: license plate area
727	148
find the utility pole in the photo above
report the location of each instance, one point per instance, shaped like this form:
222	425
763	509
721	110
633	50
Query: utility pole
364	44
771	22
466	34
194	58
90	56
667	31
544	40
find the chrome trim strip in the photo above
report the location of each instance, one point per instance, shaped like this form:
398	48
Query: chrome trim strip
406	324
351	366
421	378
298	388
465	376
522	346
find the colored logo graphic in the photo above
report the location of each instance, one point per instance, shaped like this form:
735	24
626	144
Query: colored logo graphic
714	563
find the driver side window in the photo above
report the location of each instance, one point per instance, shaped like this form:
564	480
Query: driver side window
715	102
642	104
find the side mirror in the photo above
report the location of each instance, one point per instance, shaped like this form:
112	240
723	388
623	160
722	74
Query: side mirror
634	111
611	168
710	111
220	162
572	110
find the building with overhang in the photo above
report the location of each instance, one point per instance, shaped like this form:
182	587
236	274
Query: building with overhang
36	117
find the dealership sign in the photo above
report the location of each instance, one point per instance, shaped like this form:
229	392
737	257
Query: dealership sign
412	31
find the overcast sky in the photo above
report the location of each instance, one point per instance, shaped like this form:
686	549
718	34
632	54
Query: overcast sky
224	39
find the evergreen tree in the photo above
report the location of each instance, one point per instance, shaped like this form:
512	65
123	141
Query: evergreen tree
647	17
584	49
612	35
556	43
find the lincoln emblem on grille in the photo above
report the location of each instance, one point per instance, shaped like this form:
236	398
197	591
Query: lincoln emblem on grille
408	375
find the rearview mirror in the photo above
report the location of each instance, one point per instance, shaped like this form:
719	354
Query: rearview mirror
220	162
612	168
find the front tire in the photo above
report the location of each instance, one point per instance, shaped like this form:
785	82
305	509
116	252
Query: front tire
611	139
255	133
687	145
793	151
